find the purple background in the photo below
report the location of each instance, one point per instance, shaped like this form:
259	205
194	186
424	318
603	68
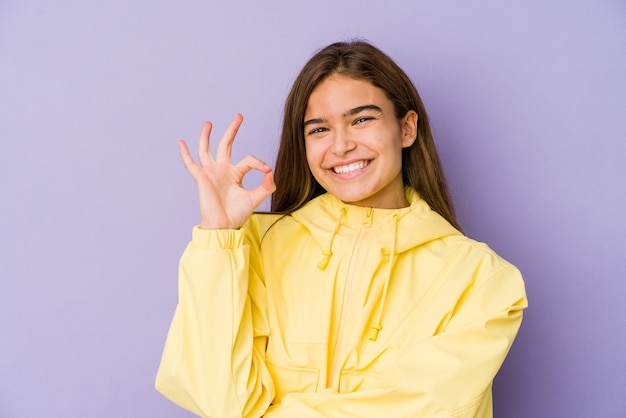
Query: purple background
527	102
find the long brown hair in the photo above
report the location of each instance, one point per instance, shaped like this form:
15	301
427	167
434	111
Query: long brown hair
421	167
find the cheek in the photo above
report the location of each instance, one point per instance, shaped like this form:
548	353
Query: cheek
391	144
313	153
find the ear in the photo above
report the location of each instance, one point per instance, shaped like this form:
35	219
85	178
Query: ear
408	127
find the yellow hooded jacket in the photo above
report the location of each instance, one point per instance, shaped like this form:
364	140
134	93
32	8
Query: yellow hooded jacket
340	311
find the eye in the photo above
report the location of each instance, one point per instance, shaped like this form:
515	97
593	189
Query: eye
362	120
316	131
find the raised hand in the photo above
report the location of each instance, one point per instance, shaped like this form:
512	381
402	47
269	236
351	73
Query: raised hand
224	202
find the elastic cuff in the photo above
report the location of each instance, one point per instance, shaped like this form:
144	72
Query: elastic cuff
216	238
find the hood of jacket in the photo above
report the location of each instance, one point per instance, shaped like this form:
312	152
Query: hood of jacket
402	229
396	231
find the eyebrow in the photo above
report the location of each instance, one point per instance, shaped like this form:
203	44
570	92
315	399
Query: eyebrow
350	112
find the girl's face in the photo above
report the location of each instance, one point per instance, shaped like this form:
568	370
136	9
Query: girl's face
354	142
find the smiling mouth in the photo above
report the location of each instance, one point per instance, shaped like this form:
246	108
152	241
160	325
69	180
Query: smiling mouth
350	168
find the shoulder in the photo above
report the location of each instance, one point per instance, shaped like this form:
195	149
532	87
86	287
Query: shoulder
482	265
260	223
467	260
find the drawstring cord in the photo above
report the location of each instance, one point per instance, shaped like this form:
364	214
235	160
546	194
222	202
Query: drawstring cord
329	252
374	329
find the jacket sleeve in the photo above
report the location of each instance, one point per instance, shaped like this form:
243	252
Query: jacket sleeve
447	375
213	363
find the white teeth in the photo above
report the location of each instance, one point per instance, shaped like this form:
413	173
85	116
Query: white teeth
349	168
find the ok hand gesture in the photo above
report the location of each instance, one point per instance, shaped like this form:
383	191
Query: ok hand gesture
224	203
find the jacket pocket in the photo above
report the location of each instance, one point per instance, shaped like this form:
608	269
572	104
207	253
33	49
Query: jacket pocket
288	379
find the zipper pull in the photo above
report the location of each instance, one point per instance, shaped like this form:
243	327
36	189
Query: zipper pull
369	215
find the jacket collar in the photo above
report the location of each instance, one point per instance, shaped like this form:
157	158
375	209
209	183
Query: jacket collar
398	230
417	223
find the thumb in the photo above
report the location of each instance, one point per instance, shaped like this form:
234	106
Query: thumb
264	190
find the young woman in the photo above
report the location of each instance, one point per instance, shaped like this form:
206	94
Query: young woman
358	296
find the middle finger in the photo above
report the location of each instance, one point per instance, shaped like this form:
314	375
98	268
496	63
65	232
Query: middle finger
224	149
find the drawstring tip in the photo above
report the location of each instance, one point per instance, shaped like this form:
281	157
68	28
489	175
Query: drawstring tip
324	262
374	332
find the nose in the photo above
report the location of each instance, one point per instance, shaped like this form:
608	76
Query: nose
342	142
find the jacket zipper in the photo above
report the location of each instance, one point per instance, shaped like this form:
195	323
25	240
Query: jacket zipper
335	368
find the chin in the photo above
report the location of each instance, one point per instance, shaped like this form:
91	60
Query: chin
351	198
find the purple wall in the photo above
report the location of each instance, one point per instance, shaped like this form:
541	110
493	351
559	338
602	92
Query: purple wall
527	103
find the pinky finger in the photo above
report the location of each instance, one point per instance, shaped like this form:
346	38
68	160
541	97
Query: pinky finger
188	161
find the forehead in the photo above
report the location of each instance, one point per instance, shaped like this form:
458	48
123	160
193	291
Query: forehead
339	93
